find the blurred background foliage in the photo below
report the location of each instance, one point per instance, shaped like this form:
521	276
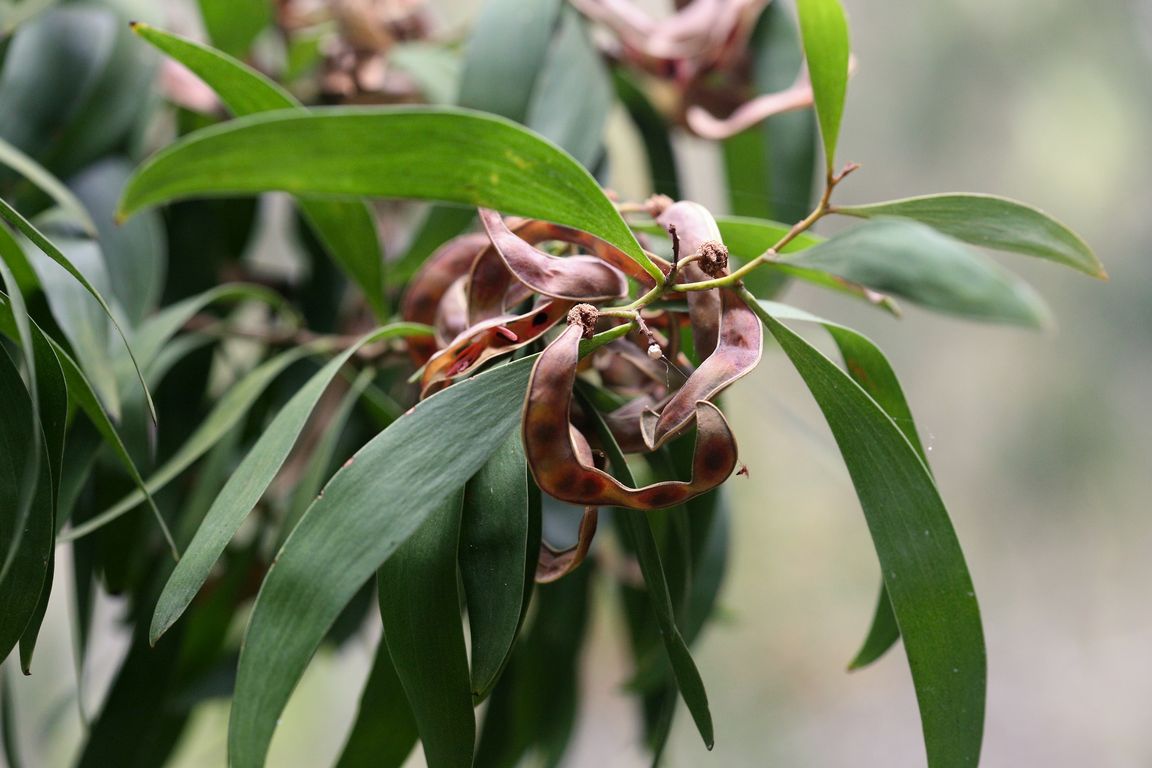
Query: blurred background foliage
1041	442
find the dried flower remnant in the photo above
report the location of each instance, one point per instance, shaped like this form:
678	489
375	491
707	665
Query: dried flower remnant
701	54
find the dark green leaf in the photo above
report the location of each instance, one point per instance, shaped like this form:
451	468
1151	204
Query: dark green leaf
420	608
916	262
384	732
824	31
418	153
368	509
346	228
882	633
229	410
251	478
639	529
26	528
923	566
494	550
50	250
992	222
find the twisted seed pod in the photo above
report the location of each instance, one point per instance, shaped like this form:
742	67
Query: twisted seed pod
561	472
489	339
554	564
511	264
694	226
429	285
741	340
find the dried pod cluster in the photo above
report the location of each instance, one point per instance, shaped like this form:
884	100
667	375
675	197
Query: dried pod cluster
701	54
489	294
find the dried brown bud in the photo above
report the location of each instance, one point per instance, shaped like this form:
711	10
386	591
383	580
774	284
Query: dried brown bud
584	315
713	258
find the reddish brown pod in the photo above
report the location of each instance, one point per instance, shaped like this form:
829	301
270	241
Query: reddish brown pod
561	472
429	286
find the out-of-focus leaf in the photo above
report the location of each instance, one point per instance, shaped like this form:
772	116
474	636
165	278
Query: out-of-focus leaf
346	228
357	152
37	237
134	252
420	608
98	84
924	570
234	24
384	732
232	407
23	579
914	261
573	93
368	509
497	77
250	479
139	703
494	548
653	130
824	32
992	222
770	167
434	68
79	316
639	530
49	184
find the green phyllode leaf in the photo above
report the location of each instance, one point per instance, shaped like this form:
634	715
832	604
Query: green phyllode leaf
346	228
450	155
249	481
824	32
368	509
924	569
420	608
992	222
384	732
914	261
495	550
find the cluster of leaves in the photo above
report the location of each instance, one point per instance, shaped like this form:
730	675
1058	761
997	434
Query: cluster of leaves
138	371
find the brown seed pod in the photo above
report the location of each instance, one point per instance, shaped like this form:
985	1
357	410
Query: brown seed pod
737	352
487	340
558	467
694	227
510	268
429	285
555	564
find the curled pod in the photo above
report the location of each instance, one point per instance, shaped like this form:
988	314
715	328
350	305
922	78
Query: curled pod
693	227
511	264
429	285
487	340
560	471
738	350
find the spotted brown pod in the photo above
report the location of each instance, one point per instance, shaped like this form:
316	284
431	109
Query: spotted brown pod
561	472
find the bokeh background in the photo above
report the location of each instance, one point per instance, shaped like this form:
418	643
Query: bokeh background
1041	442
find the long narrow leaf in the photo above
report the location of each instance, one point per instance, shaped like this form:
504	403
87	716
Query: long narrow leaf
420	609
449	155
384	732
346	228
14	218
248	482
824	31
49	184
923	566
368	509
